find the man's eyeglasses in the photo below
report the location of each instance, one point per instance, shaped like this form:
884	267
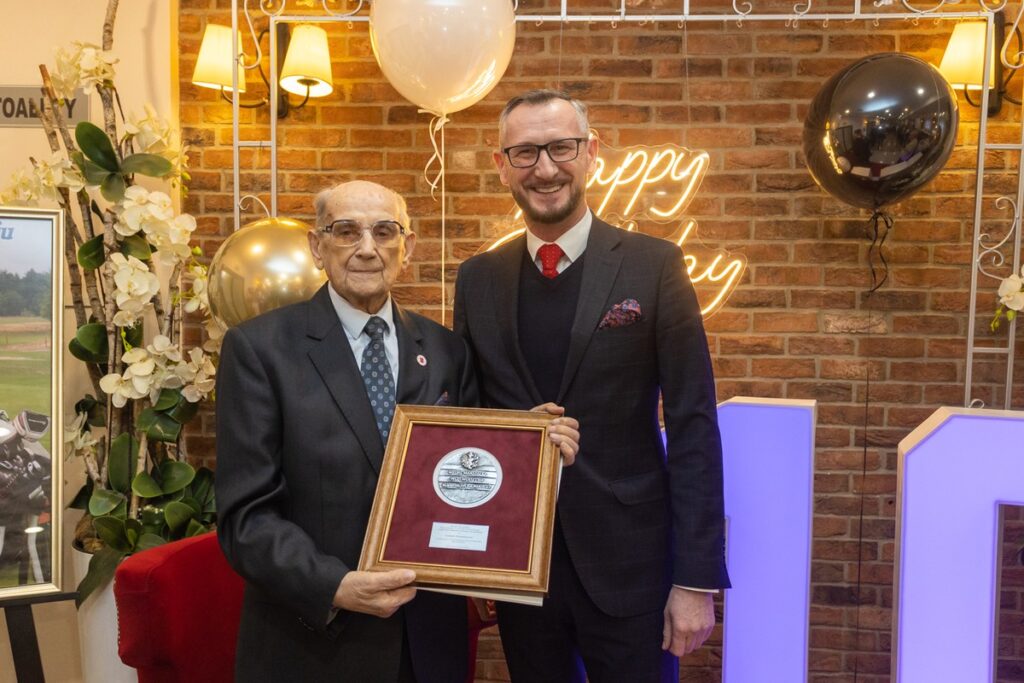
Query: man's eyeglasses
525	156
348	233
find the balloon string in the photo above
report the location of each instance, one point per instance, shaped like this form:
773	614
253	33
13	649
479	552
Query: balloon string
877	242
436	128
437	131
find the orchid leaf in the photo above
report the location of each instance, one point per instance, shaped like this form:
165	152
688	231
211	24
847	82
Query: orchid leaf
96	146
147	164
177	516
145	486
113	187
147	541
137	246
90	254
111	531
90	343
104	501
101	570
168	399
195	528
163	428
175	475
124	451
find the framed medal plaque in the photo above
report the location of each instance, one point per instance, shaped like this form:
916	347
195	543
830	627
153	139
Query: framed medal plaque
466	499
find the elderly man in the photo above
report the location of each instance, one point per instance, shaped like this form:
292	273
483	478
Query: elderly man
305	396
604	322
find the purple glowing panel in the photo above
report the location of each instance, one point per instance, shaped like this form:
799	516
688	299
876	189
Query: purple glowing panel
768	449
954	471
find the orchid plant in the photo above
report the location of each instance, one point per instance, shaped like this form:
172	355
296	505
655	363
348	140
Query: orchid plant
140	491
1011	298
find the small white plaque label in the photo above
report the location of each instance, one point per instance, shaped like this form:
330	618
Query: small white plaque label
459	536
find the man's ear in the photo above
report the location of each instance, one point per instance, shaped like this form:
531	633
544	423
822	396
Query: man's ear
592	149
314	248
502	165
410	245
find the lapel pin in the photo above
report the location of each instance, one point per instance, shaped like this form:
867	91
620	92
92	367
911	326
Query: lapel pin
421	359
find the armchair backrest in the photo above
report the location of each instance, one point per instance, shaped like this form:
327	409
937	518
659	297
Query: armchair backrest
178	608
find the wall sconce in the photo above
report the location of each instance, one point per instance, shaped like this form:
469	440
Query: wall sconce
963	62
305	69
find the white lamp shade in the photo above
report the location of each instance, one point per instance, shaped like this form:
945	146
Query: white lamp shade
307	66
963	63
213	65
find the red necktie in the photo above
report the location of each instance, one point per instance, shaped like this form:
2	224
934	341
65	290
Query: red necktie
549	255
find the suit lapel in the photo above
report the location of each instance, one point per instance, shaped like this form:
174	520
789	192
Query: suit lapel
412	375
333	359
506	305
600	266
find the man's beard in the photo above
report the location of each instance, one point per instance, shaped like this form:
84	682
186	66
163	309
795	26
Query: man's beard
554	215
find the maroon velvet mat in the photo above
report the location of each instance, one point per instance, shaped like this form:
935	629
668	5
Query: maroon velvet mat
509	514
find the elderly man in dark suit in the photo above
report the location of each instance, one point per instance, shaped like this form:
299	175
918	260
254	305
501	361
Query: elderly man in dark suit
603	322
305	396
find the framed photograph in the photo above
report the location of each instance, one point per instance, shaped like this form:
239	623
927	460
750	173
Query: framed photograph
31	441
466	499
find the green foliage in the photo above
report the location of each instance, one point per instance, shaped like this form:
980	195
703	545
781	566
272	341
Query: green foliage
101	570
137	246
90	343
90	254
100	164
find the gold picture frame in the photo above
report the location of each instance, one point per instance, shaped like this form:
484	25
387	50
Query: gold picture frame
466	498
31	411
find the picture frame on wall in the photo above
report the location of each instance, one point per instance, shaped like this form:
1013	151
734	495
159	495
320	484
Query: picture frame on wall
31	419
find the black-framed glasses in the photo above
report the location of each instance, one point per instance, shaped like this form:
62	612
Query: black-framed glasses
346	232
559	151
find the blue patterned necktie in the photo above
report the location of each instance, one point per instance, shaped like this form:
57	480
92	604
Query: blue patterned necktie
376	371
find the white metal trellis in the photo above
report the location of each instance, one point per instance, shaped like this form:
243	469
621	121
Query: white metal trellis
985	248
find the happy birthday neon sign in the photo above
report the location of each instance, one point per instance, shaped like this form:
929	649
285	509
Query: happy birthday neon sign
657	183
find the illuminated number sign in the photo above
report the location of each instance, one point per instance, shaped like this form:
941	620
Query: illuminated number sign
657	183
954	472
768	460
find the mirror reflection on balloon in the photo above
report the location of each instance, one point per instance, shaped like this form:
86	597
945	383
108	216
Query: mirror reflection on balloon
880	129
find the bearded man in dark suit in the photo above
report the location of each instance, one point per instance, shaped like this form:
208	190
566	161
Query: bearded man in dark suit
603	322
305	396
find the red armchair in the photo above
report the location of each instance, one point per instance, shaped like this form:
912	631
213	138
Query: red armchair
178	608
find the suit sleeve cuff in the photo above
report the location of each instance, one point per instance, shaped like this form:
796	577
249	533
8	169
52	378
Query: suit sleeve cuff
696	590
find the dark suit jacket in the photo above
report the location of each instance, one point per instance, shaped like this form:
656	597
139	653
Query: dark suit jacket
635	519
298	454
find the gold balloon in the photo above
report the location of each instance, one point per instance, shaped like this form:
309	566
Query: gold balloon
262	266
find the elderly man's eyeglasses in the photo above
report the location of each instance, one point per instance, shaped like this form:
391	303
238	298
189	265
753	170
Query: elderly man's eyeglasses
525	156
348	233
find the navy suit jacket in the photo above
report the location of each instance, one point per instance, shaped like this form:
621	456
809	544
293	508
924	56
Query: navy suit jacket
636	517
298	455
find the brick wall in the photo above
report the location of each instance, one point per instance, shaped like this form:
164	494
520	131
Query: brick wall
1010	622
798	326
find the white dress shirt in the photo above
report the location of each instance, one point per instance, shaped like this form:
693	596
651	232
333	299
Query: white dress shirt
354	321
573	243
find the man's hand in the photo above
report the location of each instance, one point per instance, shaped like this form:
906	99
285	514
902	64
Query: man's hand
564	432
376	593
689	618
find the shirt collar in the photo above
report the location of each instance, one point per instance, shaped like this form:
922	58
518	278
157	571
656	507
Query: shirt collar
573	241
354	320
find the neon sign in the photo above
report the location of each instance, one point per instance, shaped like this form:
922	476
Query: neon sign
953	473
657	183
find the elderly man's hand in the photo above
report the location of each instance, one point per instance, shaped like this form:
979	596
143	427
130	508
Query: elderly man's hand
564	431
376	593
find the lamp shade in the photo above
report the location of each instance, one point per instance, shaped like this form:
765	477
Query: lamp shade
963	63
213	66
307	66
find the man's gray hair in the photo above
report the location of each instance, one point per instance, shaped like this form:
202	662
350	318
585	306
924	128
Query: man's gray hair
322	198
542	96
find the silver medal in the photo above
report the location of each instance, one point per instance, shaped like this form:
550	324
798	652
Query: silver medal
467	477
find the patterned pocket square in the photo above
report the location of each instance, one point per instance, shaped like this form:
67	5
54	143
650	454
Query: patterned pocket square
621	315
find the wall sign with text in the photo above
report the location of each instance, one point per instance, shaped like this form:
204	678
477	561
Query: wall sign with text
20	106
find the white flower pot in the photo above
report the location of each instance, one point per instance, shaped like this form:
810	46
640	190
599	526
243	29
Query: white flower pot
97	632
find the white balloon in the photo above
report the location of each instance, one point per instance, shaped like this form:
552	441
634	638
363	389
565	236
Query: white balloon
443	55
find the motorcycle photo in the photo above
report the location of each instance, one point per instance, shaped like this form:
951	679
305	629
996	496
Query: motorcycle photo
25	485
